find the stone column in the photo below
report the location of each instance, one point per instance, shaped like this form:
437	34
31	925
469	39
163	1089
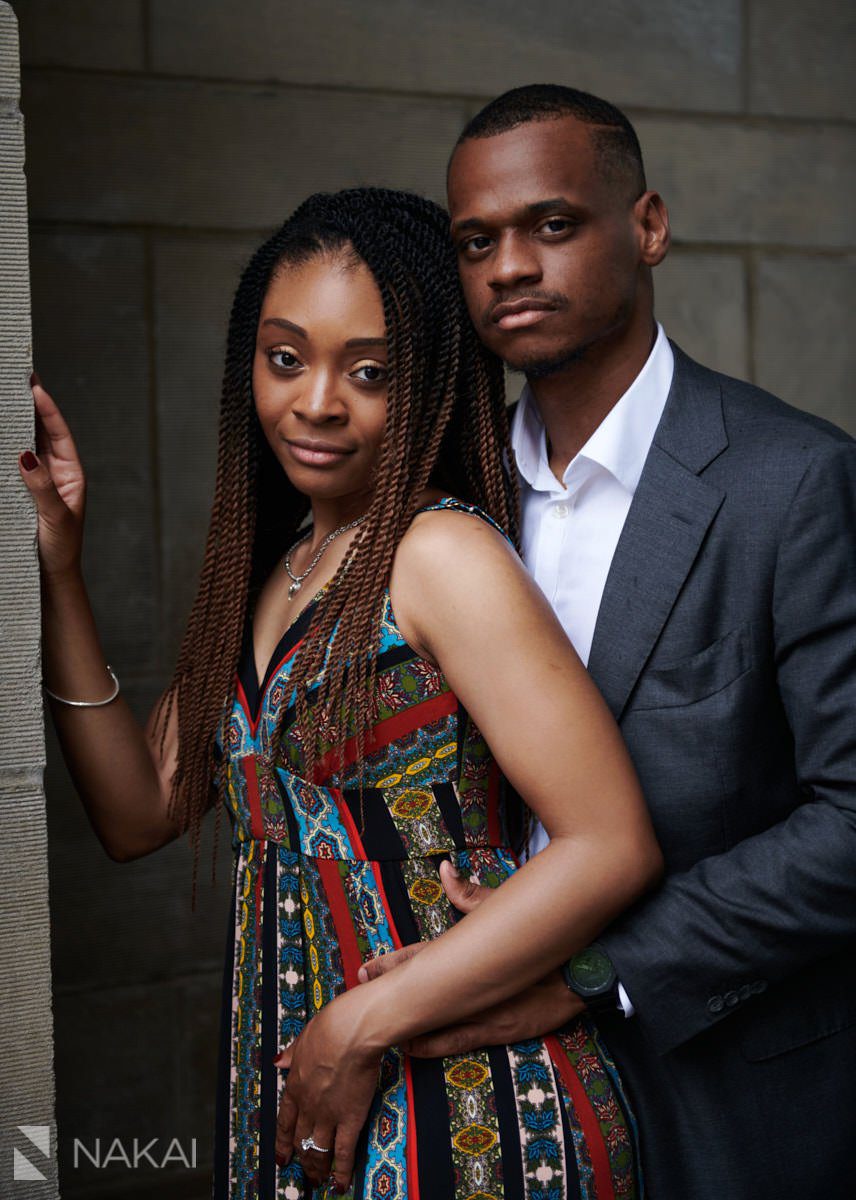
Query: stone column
27	1126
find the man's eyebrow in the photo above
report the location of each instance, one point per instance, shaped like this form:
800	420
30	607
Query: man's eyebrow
538	208
556	204
364	341
281	323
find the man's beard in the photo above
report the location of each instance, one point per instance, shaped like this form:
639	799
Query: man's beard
543	368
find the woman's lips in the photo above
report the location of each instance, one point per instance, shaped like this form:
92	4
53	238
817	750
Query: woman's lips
316	455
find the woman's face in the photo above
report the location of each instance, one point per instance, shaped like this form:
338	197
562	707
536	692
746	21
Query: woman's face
320	376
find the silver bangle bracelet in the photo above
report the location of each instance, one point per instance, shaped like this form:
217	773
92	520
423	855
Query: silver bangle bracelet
88	703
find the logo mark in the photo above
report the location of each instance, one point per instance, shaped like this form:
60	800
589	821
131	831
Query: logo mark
40	1136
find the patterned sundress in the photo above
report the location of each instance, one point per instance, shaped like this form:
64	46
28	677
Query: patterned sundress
320	885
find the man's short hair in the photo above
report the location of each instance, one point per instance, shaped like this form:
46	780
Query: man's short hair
617	149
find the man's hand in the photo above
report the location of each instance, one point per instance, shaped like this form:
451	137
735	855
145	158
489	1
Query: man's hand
538	1010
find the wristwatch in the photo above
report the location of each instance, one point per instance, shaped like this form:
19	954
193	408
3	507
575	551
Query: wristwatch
592	976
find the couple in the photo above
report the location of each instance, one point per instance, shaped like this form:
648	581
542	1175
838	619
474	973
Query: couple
665	990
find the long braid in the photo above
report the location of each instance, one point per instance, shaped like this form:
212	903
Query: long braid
446	424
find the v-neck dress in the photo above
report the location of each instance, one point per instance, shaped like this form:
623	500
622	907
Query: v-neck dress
321	884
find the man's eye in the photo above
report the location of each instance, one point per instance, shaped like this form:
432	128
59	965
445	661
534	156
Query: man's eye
474	244
556	225
283	359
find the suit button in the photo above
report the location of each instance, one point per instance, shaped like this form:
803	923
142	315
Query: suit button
731	999
745	991
759	986
715	1004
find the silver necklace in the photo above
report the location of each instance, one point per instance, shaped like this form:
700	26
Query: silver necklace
297	580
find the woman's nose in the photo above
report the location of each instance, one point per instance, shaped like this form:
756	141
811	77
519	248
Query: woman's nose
319	399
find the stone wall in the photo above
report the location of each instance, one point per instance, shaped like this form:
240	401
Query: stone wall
27	1127
164	138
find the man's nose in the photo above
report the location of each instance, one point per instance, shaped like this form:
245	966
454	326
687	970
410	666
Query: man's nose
320	400
514	262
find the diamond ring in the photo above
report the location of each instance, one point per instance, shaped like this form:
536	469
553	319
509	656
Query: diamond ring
309	1143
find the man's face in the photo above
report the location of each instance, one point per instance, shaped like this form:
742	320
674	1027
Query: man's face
548	246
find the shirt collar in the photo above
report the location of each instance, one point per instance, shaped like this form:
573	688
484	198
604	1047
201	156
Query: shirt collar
621	442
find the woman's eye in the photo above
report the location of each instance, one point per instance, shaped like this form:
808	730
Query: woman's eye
283	359
370	373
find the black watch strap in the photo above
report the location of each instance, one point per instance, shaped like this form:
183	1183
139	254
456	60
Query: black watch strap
591	975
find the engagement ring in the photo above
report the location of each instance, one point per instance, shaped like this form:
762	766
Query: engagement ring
310	1144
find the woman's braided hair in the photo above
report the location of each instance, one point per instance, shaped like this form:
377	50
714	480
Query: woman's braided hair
446	426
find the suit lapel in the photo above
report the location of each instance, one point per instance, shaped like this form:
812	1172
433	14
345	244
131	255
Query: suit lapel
670	514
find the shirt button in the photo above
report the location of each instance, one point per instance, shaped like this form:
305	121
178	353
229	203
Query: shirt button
560	510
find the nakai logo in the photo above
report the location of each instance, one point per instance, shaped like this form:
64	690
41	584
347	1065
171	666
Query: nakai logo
40	1136
135	1155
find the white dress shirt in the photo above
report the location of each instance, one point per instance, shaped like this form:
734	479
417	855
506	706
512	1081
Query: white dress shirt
570	528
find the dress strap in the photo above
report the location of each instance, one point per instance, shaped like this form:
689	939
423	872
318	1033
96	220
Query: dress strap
457	505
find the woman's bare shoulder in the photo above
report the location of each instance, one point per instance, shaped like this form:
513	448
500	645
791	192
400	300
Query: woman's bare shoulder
452	535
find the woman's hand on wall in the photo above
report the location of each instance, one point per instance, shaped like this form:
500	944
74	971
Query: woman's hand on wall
55	479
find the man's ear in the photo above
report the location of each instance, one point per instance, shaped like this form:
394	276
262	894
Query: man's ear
652	219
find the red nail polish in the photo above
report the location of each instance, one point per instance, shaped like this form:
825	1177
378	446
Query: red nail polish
34	379
281	1159
29	460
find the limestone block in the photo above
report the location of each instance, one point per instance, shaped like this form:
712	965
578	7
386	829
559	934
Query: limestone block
194	282
92	352
120	1055
804	350
801	58
116	924
757	183
673	53
26	1024
220	155
104	34
701	303
9	59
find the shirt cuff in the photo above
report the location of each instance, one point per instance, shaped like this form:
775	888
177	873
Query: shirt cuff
624	1001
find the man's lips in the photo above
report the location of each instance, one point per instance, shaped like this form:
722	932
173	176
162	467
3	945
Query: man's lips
313	453
515	314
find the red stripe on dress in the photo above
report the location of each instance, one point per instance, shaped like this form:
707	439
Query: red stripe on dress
411	1154
385	732
334	886
257	828
587	1118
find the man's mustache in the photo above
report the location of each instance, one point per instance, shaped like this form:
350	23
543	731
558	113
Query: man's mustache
555	299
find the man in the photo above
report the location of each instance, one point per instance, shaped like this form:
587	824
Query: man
697	538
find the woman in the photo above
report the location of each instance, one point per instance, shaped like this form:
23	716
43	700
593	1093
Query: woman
353	748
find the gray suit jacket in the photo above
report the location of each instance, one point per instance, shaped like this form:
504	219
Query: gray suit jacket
725	646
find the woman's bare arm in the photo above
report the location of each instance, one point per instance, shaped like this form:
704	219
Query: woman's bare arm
114	763
462	598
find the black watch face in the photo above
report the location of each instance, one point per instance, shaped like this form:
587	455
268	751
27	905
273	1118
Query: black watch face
592	971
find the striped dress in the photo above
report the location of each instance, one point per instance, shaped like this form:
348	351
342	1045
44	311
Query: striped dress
320	886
